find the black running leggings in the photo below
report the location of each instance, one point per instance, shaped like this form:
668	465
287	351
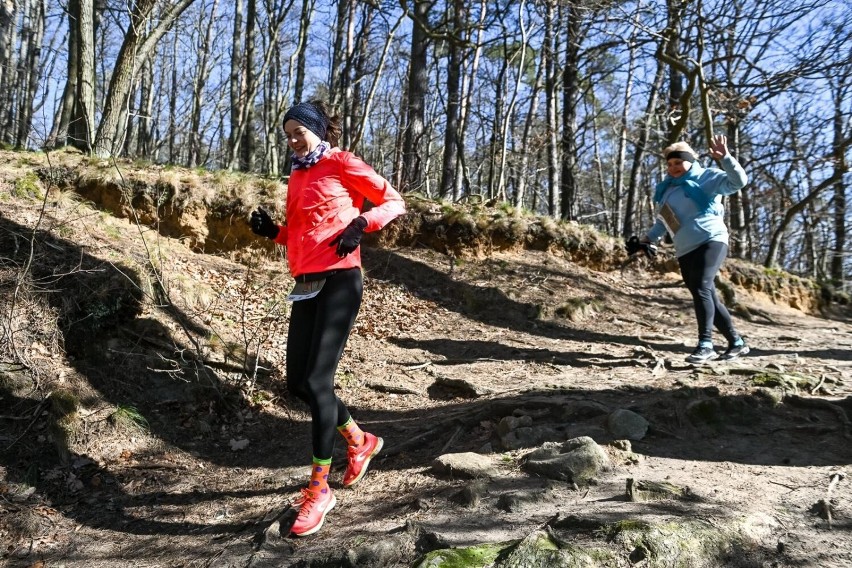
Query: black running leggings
319	328
699	269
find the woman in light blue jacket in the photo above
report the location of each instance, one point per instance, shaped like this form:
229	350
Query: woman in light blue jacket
689	208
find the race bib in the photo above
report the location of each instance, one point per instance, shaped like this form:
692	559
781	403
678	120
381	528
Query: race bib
305	290
669	219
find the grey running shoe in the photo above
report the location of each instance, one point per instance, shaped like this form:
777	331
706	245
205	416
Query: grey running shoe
702	355
735	351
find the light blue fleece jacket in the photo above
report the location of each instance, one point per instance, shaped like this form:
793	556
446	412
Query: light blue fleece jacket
699	224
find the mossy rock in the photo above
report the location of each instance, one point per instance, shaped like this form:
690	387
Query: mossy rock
542	550
787	381
688	544
539	549
479	556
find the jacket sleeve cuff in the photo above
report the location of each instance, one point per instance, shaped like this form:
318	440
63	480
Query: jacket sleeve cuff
281	237
656	232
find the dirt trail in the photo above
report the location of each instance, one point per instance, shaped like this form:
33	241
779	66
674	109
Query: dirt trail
527	331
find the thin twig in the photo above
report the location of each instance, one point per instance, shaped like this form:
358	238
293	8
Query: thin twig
451	440
38	412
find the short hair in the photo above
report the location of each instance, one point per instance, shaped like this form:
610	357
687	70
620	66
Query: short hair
679	147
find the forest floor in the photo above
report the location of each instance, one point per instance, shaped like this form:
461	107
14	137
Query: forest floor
216	465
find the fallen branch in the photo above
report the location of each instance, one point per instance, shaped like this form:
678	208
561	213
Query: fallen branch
823	506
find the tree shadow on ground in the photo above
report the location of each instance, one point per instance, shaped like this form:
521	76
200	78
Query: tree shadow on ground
490	305
459	351
686	424
486	304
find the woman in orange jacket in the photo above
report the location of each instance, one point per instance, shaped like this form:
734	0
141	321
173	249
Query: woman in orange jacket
325	222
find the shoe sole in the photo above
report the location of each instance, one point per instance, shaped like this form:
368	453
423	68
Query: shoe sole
745	351
321	521
379	445
702	361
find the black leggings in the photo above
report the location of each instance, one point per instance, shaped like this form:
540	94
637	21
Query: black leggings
699	269
319	328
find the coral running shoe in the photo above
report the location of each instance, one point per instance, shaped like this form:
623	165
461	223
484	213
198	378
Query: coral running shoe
313	508
359	458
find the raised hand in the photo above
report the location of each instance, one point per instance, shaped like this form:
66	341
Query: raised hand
719	147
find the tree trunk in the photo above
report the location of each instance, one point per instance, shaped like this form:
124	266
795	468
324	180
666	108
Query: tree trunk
619	213
302	49
198	83
7	25
551	98
248	145
791	212
418	86
336	82
368	103
353	116
467	88
134	51
59	135
510	110
237	84
838	253
10	65
570	95
737	203
245	86
451	131
631	206
497	130
82	124
33	38
676	76
145	132
122	76
523	168
173	103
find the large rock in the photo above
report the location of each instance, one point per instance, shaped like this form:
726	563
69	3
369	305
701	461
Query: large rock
466	464
627	425
576	461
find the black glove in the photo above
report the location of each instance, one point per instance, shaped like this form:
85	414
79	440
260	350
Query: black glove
634	245
350	238
261	224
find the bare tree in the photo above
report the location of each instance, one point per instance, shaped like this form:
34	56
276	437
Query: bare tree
570	98
418	86
510	109
199	80
246	85
619	214
136	47
551	96
81	129
32	36
451	131
468	86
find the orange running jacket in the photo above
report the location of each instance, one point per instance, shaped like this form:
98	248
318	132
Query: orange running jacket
322	200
